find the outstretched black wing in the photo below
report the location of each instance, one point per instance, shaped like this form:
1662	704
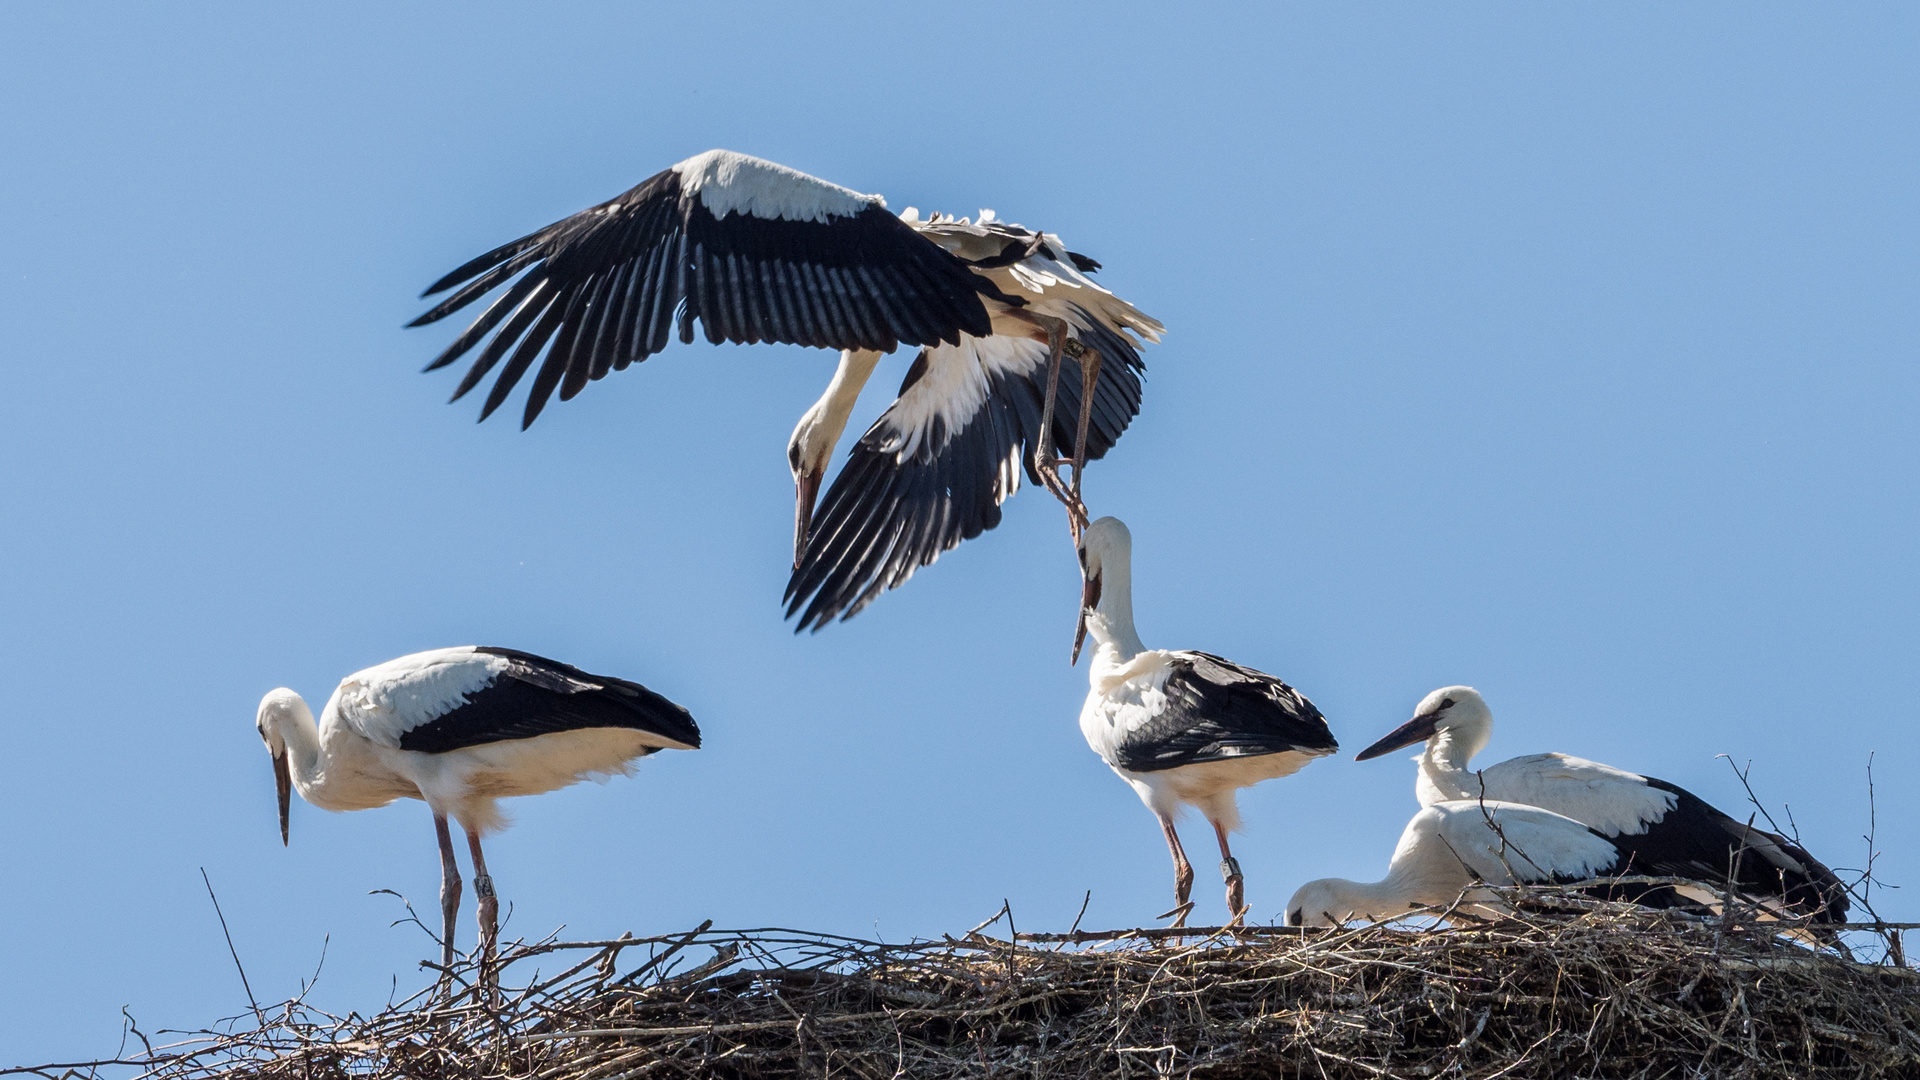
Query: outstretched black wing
1216	709
934	469
532	695
752	250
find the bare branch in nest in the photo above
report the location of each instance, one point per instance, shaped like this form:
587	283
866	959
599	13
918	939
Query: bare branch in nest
1569	985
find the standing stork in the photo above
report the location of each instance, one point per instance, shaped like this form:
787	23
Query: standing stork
755	252
1182	727
459	729
1690	837
1452	846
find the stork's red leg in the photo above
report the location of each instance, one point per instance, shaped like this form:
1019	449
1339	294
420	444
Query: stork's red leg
1043	460
489	914
1089	380
1230	871
449	890
1182	876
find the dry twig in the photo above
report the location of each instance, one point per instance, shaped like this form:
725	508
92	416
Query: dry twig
1587	988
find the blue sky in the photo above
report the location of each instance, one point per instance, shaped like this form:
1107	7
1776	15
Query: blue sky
1564	351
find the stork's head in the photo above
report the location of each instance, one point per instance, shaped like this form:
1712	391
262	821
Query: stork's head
811	448
1457	711
1105	545
1327	902
278	711
808	454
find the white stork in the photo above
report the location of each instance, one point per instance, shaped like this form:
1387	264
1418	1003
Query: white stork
1690	838
1182	727
755	252
1451	846
460	728
937	465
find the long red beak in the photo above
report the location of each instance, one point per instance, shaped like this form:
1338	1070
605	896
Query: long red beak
1089	603
283	783
806	488
1418	729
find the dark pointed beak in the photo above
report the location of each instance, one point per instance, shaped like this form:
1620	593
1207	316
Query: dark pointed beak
806	485
1089	603
1418	729
283	785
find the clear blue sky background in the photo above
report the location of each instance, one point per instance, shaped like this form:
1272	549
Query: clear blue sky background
1567	351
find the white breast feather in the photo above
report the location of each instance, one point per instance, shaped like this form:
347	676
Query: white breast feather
385	702
727	182
1116	708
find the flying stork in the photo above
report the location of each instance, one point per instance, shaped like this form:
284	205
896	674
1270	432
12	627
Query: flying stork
1689	837
1182	727
937	465
755	251
1452	846
459	729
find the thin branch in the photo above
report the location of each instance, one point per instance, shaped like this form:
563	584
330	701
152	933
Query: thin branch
258	1015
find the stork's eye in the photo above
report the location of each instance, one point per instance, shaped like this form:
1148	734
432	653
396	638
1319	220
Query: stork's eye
1445	704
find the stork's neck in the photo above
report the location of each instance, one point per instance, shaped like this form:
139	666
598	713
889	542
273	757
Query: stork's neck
822	425
1387	898
1443	765
302	737
1111	624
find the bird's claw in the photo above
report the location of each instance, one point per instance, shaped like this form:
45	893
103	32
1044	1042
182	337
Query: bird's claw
1048	467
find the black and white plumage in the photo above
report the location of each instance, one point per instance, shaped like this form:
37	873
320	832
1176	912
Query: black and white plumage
1667	824
751	250
935	468
1453	846
755	252
1180	727
460	729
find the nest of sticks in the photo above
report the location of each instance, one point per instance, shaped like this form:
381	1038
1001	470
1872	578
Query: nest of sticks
1601	990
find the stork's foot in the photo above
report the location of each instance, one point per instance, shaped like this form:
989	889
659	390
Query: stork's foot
1048	467
1236	890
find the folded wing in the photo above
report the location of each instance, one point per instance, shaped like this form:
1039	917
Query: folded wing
447	699
1210	709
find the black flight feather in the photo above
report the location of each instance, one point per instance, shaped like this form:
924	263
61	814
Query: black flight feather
622	270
